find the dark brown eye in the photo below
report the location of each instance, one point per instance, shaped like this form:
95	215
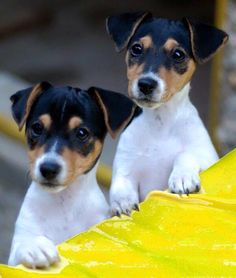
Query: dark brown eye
82	134
178	55
136	49
36	129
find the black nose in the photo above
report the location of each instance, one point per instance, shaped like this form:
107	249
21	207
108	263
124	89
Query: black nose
49	170
147	85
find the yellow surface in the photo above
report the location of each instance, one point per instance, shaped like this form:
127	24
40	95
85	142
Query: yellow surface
171	236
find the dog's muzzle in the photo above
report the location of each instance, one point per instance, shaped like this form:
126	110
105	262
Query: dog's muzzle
49	170
147	85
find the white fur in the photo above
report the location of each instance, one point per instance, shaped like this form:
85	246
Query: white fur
162	148
48	218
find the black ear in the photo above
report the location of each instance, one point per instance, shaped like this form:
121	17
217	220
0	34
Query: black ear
117	109
23	100
205	40
122	27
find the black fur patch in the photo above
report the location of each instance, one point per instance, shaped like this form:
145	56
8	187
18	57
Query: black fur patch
157	56
200	41
121	27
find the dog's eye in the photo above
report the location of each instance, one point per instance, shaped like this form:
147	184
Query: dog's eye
136	49
36	129
178	55
82	134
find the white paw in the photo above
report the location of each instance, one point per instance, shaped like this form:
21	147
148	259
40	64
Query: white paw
124	204
37	253
184	182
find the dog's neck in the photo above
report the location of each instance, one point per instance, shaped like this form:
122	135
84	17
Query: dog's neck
172	107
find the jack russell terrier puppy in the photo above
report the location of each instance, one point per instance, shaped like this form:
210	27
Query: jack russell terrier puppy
166	145
65	130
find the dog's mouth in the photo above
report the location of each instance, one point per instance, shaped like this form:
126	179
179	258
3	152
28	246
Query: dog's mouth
50	184
146	102
52	187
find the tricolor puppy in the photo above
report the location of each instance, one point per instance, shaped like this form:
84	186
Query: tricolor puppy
167	145
65	130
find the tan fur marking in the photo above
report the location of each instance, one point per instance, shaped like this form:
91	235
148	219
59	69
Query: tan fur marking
174	81
133	73
146	42
46	120
77	163
74	122
170	44
37	90
33	155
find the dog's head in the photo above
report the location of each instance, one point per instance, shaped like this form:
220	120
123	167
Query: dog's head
66	127
161	54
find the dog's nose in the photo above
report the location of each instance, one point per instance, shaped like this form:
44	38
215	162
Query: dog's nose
49	170
147	85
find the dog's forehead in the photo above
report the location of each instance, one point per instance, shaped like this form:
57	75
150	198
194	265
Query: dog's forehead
63	103
160	30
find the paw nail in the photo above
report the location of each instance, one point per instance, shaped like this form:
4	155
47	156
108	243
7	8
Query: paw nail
127	212
118	214
136	207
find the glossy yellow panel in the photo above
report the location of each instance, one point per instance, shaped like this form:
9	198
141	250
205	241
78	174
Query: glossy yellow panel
171	236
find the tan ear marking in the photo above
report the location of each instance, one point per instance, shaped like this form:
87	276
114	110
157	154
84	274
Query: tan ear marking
106	117
33	95
104	110
193	46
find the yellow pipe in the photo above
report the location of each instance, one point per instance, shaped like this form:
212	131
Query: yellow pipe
220	12
9	128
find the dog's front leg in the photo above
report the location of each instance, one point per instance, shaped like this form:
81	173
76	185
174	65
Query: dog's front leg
184	178
33	252
123	195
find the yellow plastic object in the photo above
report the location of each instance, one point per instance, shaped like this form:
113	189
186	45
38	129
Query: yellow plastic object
9	128
171	236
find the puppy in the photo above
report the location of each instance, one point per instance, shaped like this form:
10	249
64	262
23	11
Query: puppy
65	130
167	145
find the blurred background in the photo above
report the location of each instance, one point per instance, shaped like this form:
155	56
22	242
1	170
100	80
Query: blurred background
65	42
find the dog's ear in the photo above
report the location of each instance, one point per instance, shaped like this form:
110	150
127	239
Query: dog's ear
122	27
117	109
23	100
205	40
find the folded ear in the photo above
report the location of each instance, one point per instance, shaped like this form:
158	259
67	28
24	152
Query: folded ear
122	27
205	40
23	100
117	109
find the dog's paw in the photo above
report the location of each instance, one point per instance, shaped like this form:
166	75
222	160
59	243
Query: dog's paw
184	182
37	253
124	205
